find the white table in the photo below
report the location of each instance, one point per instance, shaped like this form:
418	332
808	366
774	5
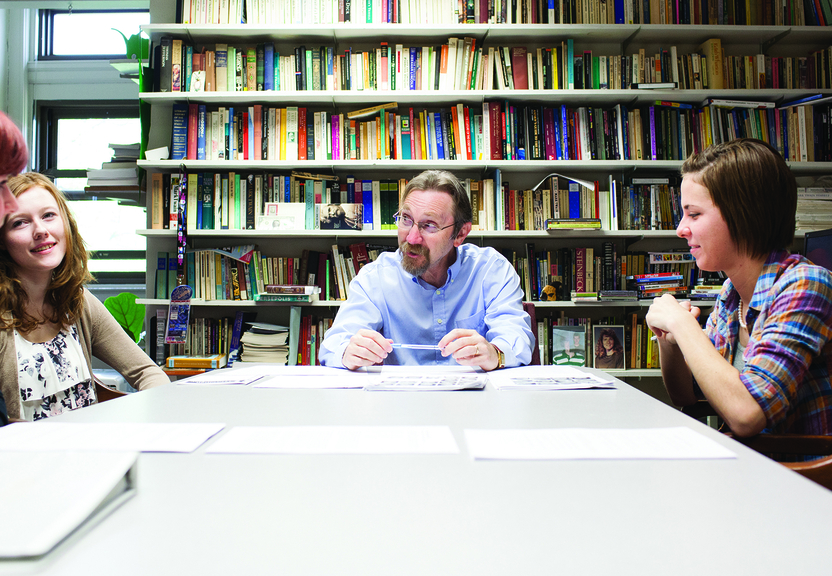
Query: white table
442	515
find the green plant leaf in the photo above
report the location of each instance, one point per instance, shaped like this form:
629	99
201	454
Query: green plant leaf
127	313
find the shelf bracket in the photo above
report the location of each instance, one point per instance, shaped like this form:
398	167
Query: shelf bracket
772	41
626	43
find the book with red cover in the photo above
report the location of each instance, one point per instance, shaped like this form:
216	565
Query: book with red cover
495	130
193	110
301	133
519	68
258	131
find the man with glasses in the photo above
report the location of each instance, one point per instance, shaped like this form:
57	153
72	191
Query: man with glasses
435	300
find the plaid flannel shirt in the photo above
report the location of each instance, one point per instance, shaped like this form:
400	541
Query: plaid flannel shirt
788	359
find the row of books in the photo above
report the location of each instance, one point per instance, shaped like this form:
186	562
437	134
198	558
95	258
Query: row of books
586	273
214	274
462	64
300	201
281	202
216	342
578	341
286	12
500	131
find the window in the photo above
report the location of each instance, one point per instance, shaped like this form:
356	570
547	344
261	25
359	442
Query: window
74	137
82	34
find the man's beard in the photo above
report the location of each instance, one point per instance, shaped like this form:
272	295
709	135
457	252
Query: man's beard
409	264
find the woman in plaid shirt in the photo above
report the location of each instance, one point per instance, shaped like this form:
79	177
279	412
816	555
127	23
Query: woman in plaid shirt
764	359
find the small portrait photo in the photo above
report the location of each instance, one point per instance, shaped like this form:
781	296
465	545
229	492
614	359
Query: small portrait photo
609	347
569	345
341	216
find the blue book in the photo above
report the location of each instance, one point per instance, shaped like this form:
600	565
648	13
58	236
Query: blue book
413	52
161	275
179	146
268	71
200	132
350	189
558	136
574	199
309	197
619	11
200	199
437	135
367	200
287	189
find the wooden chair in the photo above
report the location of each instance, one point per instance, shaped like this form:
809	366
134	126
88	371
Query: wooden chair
819	471
529	308
104	393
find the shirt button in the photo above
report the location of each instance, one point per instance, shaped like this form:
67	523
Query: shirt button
439	291
439	321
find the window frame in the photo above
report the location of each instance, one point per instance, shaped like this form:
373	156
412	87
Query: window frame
48	113
46	27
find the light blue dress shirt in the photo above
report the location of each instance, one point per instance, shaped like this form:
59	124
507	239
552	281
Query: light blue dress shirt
482	293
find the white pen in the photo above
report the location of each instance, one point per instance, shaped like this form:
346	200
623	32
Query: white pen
417	346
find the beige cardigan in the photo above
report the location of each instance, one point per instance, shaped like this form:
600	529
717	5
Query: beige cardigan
100	336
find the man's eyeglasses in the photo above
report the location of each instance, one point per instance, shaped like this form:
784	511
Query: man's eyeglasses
405	222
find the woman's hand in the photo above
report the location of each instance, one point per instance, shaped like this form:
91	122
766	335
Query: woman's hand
665	312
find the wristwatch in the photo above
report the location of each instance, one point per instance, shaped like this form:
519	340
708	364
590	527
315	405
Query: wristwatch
501	358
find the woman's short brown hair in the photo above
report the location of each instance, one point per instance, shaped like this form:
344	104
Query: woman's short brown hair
753	188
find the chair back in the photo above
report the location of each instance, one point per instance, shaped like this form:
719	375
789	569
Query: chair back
104	393
528	307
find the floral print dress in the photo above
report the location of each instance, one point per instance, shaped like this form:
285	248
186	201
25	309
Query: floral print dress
53	376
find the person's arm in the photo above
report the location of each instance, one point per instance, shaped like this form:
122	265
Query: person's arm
111	344
507	324
719	381
358	319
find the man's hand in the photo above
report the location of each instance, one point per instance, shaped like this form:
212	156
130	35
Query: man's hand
366	348
469	348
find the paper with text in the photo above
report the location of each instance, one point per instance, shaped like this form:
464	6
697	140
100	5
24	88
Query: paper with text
546	378
105	437
336	440
592	443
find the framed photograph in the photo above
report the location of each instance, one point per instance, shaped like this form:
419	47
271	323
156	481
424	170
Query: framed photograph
569	345
608	347
340	216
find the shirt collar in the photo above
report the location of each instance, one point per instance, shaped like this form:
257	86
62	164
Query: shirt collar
774	266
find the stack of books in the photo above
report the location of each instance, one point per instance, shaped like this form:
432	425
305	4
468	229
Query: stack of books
653	285
708	286
265	343
814	207
289	293
119	174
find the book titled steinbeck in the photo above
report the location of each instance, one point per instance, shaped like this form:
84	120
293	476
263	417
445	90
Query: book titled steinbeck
573	223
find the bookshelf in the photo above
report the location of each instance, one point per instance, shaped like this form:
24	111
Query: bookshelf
620	39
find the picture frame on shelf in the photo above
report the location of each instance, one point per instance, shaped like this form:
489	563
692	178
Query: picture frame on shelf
608	347
569	345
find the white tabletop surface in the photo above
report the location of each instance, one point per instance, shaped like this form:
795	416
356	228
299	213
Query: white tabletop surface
441	514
